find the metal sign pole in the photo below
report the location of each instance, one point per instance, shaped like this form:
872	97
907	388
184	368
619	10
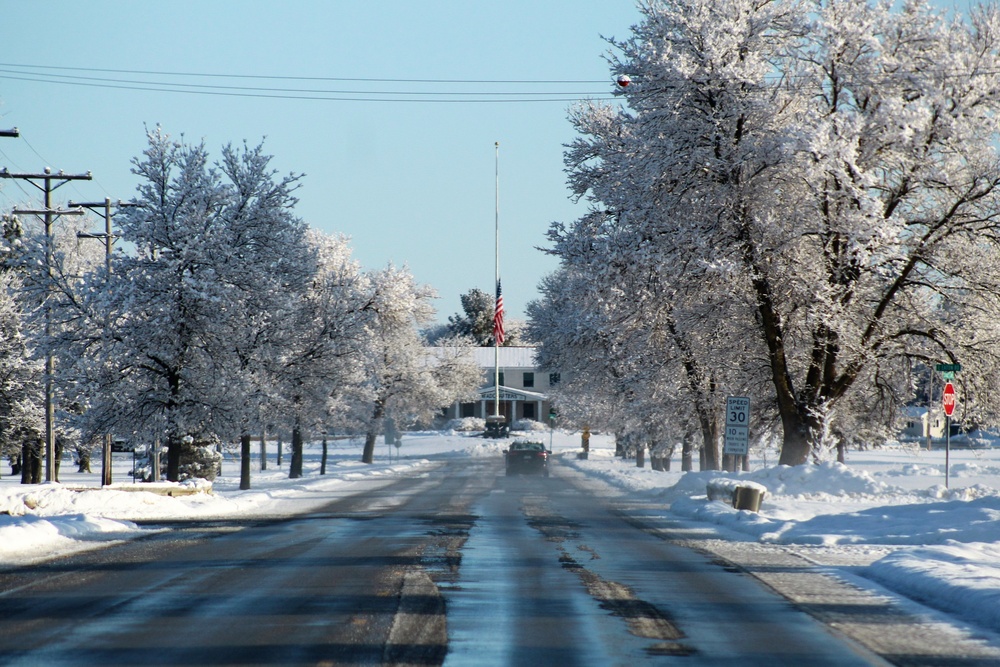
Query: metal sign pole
947	449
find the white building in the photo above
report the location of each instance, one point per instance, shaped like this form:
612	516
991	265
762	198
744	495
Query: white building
918	422
523	389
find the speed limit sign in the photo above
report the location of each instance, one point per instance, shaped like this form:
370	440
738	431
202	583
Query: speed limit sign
737	426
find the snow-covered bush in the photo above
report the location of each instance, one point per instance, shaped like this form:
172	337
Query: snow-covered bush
466	424
200	459
529	425
200	462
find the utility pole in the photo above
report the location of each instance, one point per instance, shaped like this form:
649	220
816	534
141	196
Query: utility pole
103	208
47	182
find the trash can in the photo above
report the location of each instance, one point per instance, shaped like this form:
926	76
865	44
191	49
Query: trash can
747	498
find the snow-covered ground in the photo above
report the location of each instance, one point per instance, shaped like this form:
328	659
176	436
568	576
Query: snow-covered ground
935	544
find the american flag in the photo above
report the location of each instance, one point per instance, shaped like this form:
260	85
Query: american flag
498	333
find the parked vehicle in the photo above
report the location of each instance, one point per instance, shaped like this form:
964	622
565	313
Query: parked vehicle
527	457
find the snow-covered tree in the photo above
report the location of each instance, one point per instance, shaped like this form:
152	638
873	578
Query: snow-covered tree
216	252
51	270
400	375
21	415
476	321
322	338
823	176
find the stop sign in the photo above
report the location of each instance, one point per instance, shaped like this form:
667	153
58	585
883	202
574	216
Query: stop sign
948	399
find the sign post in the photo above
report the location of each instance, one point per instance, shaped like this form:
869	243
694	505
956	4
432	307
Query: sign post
948	403
737	441
552	425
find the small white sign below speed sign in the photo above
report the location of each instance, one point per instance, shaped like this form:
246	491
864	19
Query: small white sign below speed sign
737	440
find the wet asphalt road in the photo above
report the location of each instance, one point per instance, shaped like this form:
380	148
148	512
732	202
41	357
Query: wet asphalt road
456	566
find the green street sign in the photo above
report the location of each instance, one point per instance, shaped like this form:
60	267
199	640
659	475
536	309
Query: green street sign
948	368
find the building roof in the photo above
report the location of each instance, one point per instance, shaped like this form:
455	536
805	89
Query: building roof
510	357
507	394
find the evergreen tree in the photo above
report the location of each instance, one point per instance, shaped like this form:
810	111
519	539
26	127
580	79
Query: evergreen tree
476	321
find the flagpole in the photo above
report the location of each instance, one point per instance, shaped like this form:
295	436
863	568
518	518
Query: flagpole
496	342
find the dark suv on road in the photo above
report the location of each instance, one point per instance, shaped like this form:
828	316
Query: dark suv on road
527	457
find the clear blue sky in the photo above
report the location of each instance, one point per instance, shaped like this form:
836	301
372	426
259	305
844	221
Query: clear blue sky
410	182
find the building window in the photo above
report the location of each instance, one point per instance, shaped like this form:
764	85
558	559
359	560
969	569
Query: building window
529	411
529	380
501	379
467	410
553	379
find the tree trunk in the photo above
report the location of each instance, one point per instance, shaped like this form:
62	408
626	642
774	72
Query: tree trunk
174	440
244	462
295	469
795	445
31	464
687	454
173	458
322	463
60	445
640	456
710	438
263	449
368	456
280	447
83	459
37	466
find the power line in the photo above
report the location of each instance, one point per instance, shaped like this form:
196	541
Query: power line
51	75
305	78
63	78
374	96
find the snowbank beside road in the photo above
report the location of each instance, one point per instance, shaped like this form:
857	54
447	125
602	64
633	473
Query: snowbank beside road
944	543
